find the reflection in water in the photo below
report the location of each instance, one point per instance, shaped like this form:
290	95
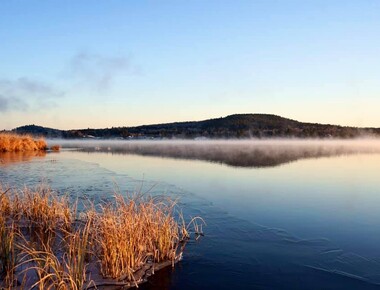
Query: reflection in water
7	158
161	280
253	153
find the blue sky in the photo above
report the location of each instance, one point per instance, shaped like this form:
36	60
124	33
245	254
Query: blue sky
79	64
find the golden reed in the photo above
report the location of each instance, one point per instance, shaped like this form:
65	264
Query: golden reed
10	142
46	243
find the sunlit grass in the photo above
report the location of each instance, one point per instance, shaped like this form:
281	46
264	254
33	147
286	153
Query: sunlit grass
134	230
43	209
46	244
10	142
55	148
8	259
58	268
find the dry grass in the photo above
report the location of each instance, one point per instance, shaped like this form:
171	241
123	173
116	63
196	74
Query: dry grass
55	269
132	231
8	259
55	148
10	142
43	209
45	244
35	225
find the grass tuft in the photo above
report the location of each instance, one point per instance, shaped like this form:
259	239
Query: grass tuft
55	148
47	244
134	230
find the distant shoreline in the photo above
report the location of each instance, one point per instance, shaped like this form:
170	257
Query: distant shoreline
239	126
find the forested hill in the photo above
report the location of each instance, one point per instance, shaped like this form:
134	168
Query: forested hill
233	126
41	131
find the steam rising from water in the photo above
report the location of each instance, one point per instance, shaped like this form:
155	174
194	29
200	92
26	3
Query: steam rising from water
246	153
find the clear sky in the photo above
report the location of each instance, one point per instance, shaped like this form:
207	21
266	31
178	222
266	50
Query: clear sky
79	64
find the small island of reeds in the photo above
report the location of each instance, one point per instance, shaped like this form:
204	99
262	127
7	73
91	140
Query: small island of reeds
46	242
10	142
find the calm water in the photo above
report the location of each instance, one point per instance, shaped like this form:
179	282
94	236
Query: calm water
280	215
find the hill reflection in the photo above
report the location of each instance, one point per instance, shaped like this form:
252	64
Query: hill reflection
257	153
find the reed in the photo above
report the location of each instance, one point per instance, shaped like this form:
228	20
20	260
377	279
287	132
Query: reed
8	257
134	230
8	253
57	245
39	216
11	142
55	269
79	255
55	148
44	210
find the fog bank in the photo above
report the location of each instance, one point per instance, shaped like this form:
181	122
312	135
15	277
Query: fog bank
242	153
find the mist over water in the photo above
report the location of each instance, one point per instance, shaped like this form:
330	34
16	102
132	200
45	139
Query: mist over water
240	153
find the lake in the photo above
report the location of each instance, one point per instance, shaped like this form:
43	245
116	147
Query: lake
284	214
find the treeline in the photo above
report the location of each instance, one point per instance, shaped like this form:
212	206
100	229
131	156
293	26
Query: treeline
233	126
